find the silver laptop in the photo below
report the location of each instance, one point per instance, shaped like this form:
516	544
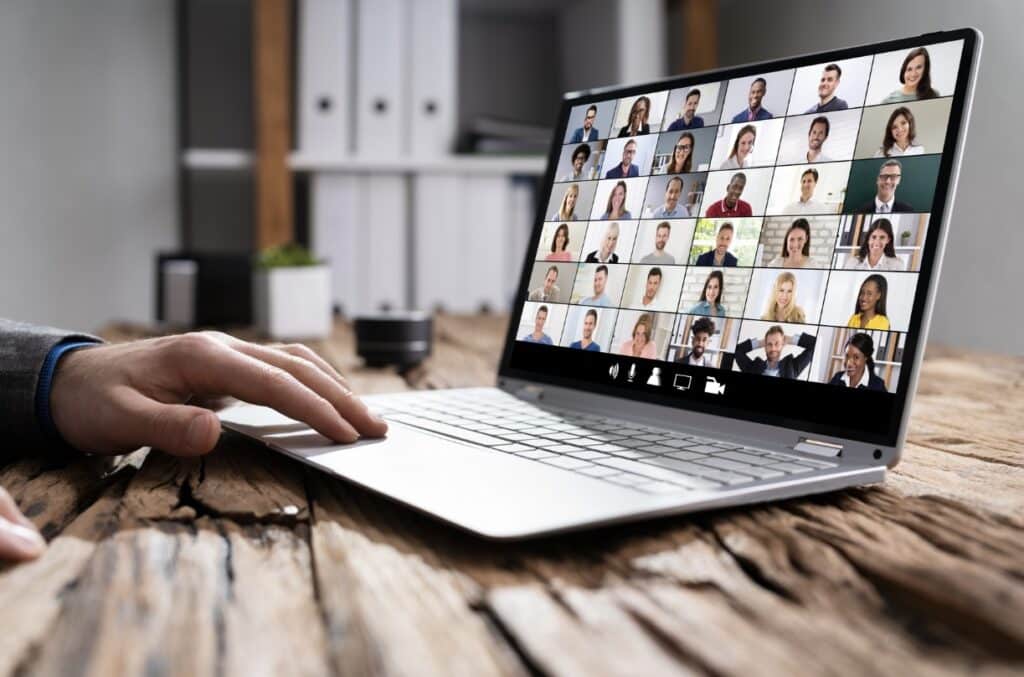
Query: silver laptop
725	301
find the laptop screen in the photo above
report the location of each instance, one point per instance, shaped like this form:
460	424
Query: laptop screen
754	242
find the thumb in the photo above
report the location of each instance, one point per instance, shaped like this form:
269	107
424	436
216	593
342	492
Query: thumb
178	429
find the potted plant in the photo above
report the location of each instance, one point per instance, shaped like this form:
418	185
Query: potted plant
904	238
292	294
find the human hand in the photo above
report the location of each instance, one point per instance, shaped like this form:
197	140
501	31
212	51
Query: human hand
115	398
19	539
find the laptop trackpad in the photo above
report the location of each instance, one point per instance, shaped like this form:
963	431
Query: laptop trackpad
493	493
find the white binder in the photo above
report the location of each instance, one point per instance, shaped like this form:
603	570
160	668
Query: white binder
433	67
325	77
334	202
438	250
382	119
382	242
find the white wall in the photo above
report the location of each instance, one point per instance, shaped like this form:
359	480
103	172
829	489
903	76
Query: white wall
88	175
979	303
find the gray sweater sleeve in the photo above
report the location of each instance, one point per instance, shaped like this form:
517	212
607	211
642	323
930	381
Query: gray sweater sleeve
23	349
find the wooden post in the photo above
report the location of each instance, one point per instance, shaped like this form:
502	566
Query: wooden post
272	35
700	26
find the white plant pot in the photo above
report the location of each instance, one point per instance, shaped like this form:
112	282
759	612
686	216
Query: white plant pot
293	303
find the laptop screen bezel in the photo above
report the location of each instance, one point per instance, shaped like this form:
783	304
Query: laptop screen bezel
935	237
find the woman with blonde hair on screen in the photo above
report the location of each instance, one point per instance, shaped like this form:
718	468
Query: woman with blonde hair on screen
567	210
641	344
616	208
782	305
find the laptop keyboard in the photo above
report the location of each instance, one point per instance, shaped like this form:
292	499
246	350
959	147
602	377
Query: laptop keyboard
640	457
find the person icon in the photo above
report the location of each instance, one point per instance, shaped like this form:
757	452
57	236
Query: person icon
701	332
659	255
858	365
720	255
885	202
625	169
587	132
688	118
827	86
538	335
754	110
731	204
655	378
774	363
586	341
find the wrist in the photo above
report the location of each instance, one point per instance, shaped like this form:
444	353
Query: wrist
51	376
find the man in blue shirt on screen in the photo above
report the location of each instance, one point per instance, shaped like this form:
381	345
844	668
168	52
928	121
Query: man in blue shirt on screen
754	111
587	131
626	169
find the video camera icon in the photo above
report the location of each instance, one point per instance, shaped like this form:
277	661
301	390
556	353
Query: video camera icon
713	387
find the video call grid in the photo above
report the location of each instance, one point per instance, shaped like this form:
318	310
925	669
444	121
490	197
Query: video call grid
726	140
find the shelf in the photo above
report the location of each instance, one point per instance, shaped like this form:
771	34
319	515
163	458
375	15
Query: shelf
216	159
528	165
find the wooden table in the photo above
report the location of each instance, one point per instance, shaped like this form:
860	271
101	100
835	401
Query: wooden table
247	563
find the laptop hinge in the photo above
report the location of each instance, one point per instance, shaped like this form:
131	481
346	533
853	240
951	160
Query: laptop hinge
530	393
818	448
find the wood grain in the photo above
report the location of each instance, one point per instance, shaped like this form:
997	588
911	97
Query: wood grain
245	562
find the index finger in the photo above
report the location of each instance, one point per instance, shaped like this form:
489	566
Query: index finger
210	368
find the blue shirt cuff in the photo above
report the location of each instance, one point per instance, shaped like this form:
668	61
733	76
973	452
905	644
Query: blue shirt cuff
43	415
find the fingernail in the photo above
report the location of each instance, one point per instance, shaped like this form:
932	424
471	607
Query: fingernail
196	435
29	539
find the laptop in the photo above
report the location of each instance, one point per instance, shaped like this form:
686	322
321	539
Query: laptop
724	301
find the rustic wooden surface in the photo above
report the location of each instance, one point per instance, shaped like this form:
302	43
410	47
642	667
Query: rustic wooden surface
247	563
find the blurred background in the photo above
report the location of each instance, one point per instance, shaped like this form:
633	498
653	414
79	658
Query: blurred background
402	140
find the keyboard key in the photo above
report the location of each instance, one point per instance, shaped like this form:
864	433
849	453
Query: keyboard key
762	472
656	473
661	488
536	454
743	457
599	471
512	448
566	463
562	448
587	442
449	431
724	463
611	448
631	453
790	468
726	477
656	449
685	455
703	449
586	454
